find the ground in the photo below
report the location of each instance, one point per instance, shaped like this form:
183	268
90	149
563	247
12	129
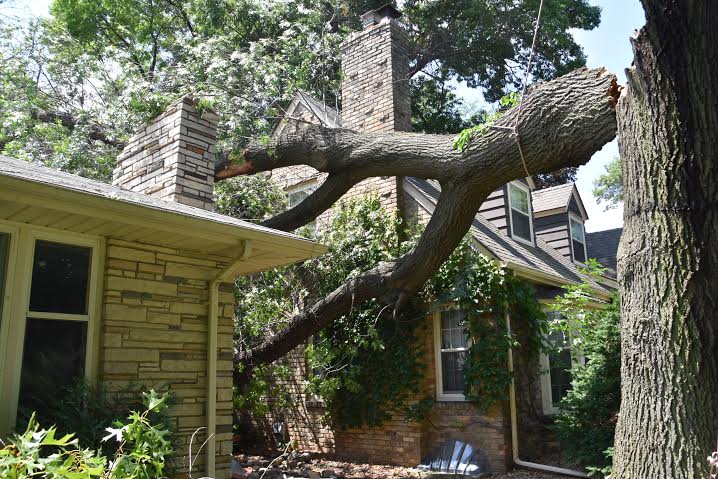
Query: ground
302	466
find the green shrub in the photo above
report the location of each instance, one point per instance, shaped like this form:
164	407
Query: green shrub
143	449
87	411
587	421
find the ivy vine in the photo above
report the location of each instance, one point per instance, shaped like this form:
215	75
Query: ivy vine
368	366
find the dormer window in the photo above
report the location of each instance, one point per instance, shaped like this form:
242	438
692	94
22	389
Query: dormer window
578	239
520	212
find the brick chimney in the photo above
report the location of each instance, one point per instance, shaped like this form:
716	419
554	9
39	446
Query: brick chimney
172	158
375	91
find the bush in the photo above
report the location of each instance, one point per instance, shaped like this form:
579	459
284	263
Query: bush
142	452
587	421
87	411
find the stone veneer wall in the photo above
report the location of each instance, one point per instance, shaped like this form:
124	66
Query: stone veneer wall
154	334
173	157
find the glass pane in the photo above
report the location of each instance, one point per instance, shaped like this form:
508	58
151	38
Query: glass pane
579	254
520	225
453	331
4	257
577	231
519	199
452	371
60	276
53	358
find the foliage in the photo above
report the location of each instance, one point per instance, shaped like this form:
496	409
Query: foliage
573	305
144	448
367	365
74	86
37	452
249	197
487	292
86	411
462	141
609	186
142	452
348	356
435	108
588	413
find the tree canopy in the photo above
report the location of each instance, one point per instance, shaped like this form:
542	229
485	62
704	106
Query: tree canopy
76	85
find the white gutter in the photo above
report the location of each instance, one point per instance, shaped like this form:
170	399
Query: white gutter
225	275
514	424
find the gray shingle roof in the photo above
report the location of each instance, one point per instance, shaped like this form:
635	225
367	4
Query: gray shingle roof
603	245
540	258
35	173
552	198
326	115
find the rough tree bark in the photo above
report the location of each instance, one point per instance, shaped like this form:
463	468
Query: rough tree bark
562	123
668	258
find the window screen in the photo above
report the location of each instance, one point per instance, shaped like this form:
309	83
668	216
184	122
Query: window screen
520	213
453	351
60	278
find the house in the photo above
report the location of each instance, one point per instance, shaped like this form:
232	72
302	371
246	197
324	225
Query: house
538	235
130	283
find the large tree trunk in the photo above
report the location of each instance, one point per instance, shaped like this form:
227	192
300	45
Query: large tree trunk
668	259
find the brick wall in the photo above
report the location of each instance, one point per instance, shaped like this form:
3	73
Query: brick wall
173	157
154	334
375	92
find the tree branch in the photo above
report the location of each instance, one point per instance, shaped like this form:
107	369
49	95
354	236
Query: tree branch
321	199
562	123
69	122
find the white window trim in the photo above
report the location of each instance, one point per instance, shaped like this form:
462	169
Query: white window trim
573	217
440	394
527	190
22	247
546	390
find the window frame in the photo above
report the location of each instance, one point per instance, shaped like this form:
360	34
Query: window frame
573	218
546	387
440	394
525	188
23	239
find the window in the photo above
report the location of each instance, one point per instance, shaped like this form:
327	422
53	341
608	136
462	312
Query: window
55	338
452	344
556	369
299	193
520	212
578	239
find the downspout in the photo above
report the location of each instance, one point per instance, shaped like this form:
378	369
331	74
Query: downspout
514	422
212	332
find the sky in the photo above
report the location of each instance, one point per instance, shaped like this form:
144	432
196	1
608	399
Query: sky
608	45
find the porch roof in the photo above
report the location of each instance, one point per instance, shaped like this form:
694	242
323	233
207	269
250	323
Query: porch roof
41	196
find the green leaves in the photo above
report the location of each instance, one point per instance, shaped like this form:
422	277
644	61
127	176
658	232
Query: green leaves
39	453
609	186
464	138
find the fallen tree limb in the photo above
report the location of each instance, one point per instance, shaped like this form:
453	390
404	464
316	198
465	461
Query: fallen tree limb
562	123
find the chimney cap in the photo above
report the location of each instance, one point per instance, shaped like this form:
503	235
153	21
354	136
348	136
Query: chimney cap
374	17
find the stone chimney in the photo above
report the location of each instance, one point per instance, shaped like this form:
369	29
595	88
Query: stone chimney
375	91
173	157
